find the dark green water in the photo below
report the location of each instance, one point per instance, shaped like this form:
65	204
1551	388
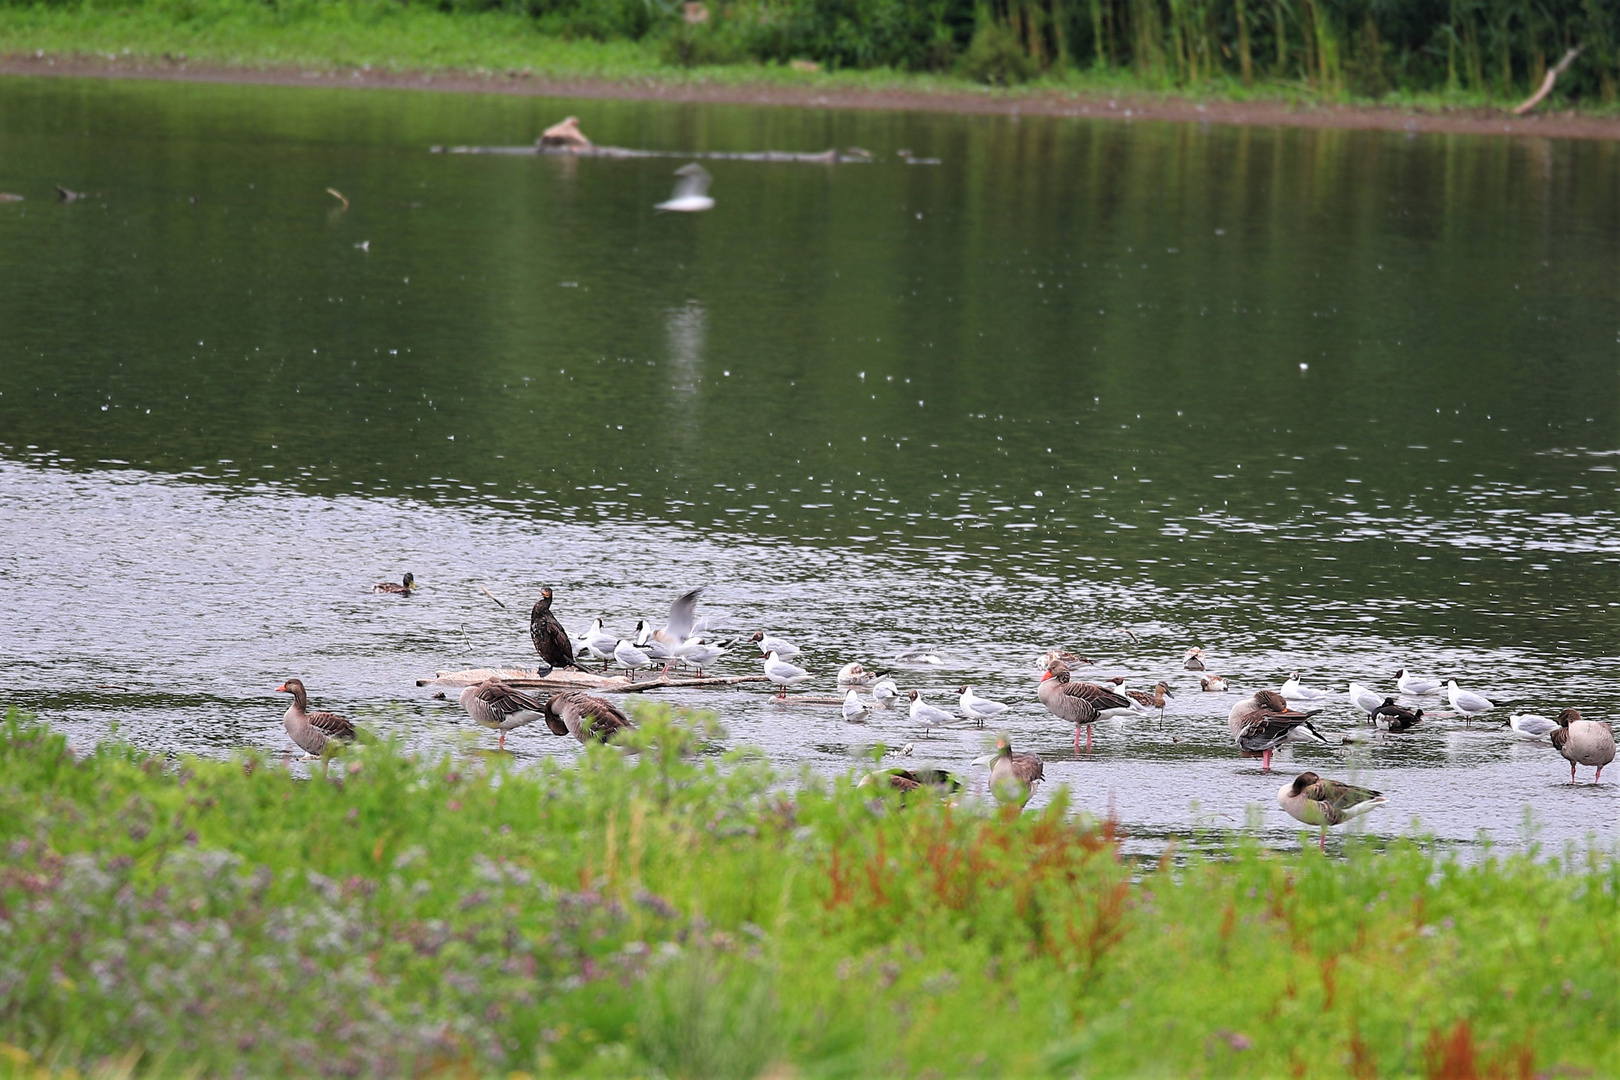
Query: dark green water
1339	401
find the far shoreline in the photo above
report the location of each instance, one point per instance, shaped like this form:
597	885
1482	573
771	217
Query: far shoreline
1036	102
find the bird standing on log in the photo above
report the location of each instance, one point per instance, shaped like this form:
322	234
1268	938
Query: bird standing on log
551	641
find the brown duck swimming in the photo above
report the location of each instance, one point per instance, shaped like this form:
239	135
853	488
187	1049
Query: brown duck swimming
402	588
585	717
1583	742
496	705
1264	722
551	641
312	731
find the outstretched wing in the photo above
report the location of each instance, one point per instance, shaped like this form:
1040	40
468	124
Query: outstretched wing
682	613
694	181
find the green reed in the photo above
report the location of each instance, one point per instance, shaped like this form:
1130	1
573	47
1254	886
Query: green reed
683	912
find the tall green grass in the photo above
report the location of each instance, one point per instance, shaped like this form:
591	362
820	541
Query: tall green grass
1457	50
689	913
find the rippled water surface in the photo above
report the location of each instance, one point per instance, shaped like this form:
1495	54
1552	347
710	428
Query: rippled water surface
1334	401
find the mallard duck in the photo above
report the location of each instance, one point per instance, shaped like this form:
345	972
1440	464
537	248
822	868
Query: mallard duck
1396	718
551	641
1013	776
1467	703
585	717
1583	742
1315	801
1264	722
406	584
496	705
1213	684
1079	703
313	732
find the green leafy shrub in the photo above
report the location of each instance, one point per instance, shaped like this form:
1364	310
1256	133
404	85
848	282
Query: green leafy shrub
996	58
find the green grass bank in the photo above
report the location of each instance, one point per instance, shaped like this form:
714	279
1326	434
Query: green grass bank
1309	52
680	914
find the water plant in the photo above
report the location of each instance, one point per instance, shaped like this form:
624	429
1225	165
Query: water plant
681	911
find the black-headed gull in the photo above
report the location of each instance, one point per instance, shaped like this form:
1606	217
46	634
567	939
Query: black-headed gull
855	710
853	674
783	648
1466	702
782	673
1530	727
1364	699
978	709
884	693
1294	691
631	658
599	643
699	653
691	191
1583	742
927	715
1315	801
1416	687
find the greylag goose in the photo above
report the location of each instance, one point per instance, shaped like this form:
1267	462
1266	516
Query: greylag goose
905	781
929	716
313	732
1396	718
1583	742
1213	684
551	641
585	717
855	710
1410	684
1152	699
1073	702
1466	702
1194	660
782	647
783	674
1264	722
1013	776
979	709
1315	801
402	588
500	707
1364	699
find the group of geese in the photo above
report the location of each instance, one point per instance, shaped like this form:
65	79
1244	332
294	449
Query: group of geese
1259	724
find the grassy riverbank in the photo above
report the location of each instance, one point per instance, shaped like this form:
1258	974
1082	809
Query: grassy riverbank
671	915
420	39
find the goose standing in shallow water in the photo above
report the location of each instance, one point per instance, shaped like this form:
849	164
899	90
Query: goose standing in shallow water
585	717
1467	703
503	708
313	732
1072	702
551	641
403	588
1264	722
1583	742
1013	776
1315	801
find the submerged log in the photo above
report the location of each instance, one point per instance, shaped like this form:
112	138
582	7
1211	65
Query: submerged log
852	156
529	679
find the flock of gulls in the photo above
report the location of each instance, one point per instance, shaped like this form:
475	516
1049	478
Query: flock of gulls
1259	723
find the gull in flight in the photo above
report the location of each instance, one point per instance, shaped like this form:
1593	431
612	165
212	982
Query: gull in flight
691	191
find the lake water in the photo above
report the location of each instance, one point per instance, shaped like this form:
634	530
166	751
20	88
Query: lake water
1334	401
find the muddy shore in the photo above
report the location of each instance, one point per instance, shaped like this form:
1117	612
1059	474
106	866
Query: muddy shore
1567	125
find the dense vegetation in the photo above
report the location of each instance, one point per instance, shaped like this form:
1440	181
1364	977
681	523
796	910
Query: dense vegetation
1496	50
688	914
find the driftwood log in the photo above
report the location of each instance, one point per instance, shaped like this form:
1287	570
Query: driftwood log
1547	83
529	679
825	157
